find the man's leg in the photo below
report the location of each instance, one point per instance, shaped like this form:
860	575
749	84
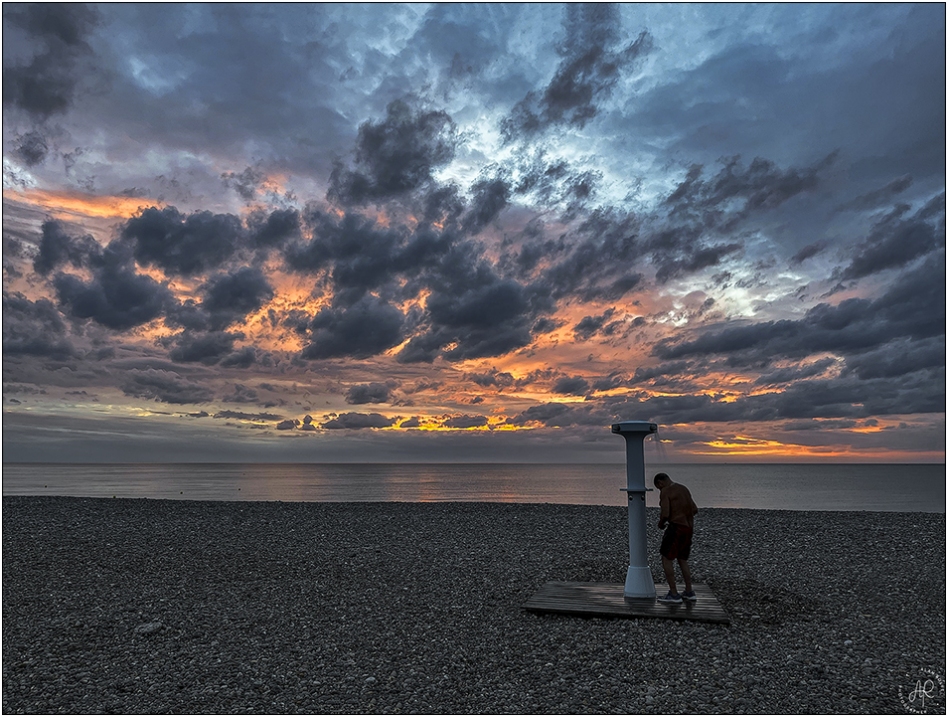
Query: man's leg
686	573
670	571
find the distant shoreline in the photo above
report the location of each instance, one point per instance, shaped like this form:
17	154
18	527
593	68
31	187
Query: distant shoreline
445	503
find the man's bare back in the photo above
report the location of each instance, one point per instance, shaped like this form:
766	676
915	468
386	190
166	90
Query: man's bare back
676	504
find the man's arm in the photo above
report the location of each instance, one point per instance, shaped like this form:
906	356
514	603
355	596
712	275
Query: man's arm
663	509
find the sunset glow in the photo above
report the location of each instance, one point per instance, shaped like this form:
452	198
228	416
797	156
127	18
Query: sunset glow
69	205
480	232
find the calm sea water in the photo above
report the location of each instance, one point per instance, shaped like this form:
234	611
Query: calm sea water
830	487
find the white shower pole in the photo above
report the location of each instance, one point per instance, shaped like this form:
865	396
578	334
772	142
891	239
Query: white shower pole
639	583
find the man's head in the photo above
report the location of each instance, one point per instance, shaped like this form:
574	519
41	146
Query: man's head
661	480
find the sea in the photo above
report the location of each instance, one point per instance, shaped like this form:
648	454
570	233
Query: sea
795	487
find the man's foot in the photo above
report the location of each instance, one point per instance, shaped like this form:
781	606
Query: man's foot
689	596
671	598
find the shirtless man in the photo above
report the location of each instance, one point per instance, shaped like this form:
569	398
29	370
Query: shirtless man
676	508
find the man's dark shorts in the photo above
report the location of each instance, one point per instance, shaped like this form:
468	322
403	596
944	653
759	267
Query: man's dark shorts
676	542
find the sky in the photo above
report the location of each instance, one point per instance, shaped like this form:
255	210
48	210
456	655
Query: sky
474	232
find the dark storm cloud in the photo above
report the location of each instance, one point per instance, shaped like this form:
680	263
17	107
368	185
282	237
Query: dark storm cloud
811	250
296	320
575	385
789	374
117	296
34	329
395	156
229	298
243	395
183	244
207	348
243	416
891	86
491	301
442	204
368	327
879	197
101	354
545	325
664	370
899	358
597	261
614	380
543	377
274	229
47	84
244	183
489	197
465	421
189	315
823	425
492	378
361	254
353	420
203	79
554	183
23	389
242	358
446	39
427	251
565	415
673	261
596	324
481	316
760	185
551	181
922	393
896	240
165	386
670	376
31	148
912	307
372	393
809	399
701	215
591	65
470	310
57	248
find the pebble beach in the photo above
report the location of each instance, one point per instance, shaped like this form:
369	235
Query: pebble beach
160	606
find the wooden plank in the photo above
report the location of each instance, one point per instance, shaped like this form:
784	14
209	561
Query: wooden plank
606	600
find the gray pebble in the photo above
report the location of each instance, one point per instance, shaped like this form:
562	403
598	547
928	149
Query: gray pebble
146	629
133	606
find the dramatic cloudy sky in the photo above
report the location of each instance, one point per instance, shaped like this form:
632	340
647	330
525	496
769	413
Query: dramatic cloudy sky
473	232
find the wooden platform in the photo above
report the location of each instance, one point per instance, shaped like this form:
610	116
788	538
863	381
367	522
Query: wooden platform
606	600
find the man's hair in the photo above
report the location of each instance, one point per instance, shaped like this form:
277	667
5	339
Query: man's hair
660	477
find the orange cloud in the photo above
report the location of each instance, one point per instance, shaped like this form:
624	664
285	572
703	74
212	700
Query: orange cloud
66	204
744	447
